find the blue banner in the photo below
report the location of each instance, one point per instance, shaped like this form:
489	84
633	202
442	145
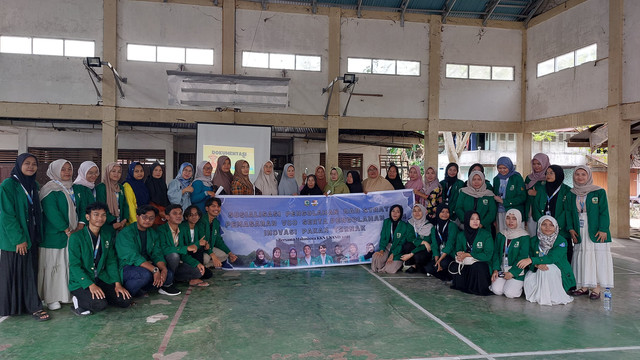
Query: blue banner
307	231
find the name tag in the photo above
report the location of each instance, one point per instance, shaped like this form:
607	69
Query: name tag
581	223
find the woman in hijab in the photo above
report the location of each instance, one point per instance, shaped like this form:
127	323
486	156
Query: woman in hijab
552	199
20	236
508	188
293	257
444	236
260	261
471	271
393	177
321	176
266	182
311	187
416	184
336	182
60	221
353	181
180	189
511	246
417	254
549	276
433	192
288	184
478	167
533	183
276	258
476	197
110	192
222	177
157	187
395	232
241	185
135	191
202	184
374	182
451	185
84	188
592	263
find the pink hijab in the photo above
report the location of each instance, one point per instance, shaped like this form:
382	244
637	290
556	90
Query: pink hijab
534	177
416	184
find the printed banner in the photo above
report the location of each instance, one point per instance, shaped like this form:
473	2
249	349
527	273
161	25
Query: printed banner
307	231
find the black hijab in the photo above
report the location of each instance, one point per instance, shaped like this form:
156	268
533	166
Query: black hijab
449	179
356	187
551	187
157	187
442	226
315	190
31	187
257	261
469	233
475	166
394	223
397	182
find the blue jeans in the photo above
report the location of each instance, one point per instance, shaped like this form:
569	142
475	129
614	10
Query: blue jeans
137	278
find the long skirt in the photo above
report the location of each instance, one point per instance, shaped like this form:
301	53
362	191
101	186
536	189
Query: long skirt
53	275
473	279
379	262
592	263
18	283
545	287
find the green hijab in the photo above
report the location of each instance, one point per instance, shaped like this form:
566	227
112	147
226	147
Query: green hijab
339	186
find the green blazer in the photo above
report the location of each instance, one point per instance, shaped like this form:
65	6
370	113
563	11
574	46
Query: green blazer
597	209
212	234
101	196
56	220
318	261
449	243
539	186
168	246
84	196
562	211
518	250
482	249
14	209
129	246
404	232
557	255
450	195
515	196
486	207
81	265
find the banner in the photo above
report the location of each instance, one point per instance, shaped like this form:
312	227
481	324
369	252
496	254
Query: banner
307	231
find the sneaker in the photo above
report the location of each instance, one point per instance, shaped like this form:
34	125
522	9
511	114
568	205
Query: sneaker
169	290
77	310
411	270
227	265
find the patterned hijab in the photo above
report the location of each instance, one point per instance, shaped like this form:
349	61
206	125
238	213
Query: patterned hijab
82	174
546	241
243	179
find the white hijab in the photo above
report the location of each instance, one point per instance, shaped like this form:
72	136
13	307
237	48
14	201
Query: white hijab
421	226
56	184
82	174
518	231
268	184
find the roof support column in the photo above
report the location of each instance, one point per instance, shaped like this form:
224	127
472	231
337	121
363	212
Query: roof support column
229	37
431	133
109	91
523	139
333	121
618	178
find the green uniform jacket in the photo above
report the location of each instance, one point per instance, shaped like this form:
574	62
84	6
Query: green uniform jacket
451	195
101	196
81	265
212	234
486	208
539	186
557	255
318	260
14	209
56	220
518	250
449	243
404	232
84	196
168	247
482	249
563	208
129	245
515	196
597	209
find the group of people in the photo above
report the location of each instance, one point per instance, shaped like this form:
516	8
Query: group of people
536	235
262	260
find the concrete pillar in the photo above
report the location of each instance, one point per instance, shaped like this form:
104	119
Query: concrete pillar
333	122
523	140
433	126
23	142
333	128
168	160
109	91
523	153
229	37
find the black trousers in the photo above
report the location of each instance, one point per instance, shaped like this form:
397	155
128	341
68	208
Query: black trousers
444	274
419	259
111	298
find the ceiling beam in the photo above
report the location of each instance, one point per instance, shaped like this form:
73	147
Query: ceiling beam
491	7
405	3
534	8
359	9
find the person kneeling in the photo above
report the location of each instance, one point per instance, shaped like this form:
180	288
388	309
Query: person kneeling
221	256
141	256
395	233
511	246
94	279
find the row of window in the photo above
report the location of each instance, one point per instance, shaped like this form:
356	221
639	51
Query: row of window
568	60
46	46
281	61
480	72
383	66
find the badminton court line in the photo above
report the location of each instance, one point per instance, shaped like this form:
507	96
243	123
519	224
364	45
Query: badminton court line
176	317
534	353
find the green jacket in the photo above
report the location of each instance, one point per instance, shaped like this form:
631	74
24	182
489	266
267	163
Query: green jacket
340	188
56	220
515	196
84	196
557	255
518	250
101	196
539	186
168	246
404	232
482	249
129	245
14	209
486	208
212	233
562	211
449	243
318	260
450	195
81	265
597	209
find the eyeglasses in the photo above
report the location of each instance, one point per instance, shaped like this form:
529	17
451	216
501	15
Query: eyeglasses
148	217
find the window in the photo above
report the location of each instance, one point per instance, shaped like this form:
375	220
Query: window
79	48
281	61
568	60
199	56
46	46
383	66
169	54
15	45
479	72
141	52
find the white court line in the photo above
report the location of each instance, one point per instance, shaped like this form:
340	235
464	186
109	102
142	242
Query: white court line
3	318
624	257
625	269
536	353
433	317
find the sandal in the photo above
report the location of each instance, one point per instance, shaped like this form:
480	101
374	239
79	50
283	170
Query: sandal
580	292
41	315
594	295
202	284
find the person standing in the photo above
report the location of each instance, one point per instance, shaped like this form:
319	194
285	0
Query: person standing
241	185
533	183
84	188
111	193
476	197
508	188
203	188
157	188
135	191
451	185
266	182
180	189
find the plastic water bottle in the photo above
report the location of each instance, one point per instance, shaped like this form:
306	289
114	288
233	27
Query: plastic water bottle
607	299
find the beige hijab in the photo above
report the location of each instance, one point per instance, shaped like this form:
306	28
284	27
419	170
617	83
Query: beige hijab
376	183
481	191
112	187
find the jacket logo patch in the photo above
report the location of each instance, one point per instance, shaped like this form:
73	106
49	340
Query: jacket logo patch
516	244
398	235
563	244
106	244
594	200
485	201
479	245
512	187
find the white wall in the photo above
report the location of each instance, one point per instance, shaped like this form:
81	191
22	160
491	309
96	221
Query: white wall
576	89
631	52
8	138
49	79
480	99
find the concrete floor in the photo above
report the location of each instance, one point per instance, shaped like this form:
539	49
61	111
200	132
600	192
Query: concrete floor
340	313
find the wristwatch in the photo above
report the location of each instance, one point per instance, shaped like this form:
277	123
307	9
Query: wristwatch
155	269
